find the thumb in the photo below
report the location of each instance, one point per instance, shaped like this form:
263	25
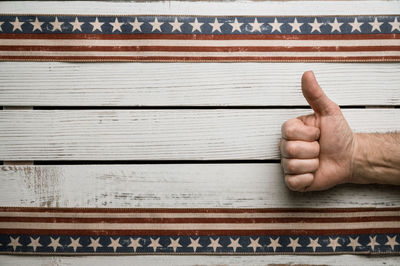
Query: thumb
315	96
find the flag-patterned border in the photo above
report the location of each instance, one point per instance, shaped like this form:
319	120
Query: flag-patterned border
82	38
199	231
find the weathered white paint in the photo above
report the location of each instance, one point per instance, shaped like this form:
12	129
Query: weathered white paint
252	185
186	84
188	185
159	134
272	8
275	260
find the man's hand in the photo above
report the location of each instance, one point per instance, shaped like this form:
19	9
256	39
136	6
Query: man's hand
317	149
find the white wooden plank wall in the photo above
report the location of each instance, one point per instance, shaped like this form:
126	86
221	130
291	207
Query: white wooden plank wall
228	185
244	134
162	131
201	84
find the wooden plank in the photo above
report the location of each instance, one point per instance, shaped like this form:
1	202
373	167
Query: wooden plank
260	8
251	185
185	84
17	108
277	260
159	134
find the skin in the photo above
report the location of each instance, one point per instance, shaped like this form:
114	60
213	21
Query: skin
320	151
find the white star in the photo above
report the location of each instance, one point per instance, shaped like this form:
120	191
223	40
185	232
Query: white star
136	25
254	244
256	26
194	244
135	244
34	243
94	243
196	25
315	25
75	243
156	25
56	25
37	25
391	242
116	25
274	243
216	26
97	25
333	243
115	244
214	244
294	244
372	243
295	25
355	25
376	25
174	244
1	23
14	242
236	25
76	24
234	244
336	25
276	25
154	244
17	24
176	25
314	244
55	243
354	243
395	25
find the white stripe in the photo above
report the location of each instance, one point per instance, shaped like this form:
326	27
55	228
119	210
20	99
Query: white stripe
202	215
200	54
199	226
218	43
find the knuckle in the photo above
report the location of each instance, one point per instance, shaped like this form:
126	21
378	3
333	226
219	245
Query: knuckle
291	148
291	166
292	182
316	134
316	147
289	128
316	163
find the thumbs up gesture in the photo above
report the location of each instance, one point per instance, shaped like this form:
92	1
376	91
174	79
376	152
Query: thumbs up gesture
316	149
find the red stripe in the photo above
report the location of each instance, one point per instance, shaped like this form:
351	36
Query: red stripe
201	59
198	232
138	36
200	220
193	210
201	48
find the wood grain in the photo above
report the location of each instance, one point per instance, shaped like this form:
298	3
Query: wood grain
159	134
275	260
185	84
251	185
260	8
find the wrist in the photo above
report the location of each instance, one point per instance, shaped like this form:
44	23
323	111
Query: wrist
359	159
375	159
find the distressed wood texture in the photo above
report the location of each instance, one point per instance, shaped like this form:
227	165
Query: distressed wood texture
275	260
159	134
185	84
252	185
260	8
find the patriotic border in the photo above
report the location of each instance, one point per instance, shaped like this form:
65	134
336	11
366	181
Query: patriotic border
168	38
241	245
199	231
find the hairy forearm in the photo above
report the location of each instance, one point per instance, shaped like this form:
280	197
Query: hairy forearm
376	158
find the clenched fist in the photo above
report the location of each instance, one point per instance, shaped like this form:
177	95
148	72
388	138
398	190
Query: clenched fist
317	149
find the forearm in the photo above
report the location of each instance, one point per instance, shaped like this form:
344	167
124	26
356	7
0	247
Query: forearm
376	159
